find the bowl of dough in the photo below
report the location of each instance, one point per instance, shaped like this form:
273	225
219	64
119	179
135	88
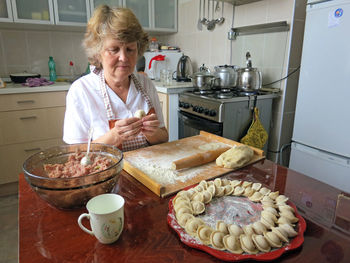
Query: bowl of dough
57	176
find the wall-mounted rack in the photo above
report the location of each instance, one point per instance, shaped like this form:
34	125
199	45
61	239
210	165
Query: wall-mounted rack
259	29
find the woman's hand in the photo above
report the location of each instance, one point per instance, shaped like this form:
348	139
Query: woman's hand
123	130
127	129
151	130
150	124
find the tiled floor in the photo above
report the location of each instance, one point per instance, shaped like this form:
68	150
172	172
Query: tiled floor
9	229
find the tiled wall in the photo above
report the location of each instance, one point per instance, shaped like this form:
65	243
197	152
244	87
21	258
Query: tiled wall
25	50
275	54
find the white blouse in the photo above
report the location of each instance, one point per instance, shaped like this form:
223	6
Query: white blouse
85	107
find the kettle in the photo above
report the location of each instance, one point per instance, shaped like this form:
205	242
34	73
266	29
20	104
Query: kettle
184	69
249	78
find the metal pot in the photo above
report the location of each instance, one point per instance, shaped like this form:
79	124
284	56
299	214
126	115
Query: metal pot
249	78
227	75
22	77
202	80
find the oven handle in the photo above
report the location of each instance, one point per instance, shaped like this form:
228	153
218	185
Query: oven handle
200	123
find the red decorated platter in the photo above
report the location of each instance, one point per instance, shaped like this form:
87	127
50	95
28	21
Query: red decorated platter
228	256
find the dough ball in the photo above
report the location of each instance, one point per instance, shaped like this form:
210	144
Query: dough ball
235	157
140	114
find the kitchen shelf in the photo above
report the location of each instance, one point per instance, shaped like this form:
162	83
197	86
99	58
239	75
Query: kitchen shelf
261	28
241	2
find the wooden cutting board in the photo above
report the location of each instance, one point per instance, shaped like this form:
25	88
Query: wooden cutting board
151	165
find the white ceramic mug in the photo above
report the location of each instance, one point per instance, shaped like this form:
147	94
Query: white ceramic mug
106	215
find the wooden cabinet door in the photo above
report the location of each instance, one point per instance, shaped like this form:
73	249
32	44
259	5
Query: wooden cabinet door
13	157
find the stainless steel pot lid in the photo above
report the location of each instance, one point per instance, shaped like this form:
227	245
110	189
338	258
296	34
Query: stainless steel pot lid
225	68
247	69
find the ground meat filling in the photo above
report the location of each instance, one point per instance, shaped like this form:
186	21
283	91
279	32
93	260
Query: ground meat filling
73	168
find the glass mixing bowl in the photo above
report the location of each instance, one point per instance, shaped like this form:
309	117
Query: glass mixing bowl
74	192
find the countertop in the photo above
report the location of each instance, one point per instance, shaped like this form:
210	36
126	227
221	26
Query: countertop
47	234
173	87
12	88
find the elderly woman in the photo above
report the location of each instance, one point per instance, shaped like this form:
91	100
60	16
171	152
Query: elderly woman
108	97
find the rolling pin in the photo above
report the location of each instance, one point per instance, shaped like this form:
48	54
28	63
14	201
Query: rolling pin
198	159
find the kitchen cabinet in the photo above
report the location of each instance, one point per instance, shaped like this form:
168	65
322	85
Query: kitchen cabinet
169	100
29	122
69	12
96	3
164	104
142	10
5	11
34	12
165	15
154	15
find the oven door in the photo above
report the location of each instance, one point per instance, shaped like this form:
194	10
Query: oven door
190	125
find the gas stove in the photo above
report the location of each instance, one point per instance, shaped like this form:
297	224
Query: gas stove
212	104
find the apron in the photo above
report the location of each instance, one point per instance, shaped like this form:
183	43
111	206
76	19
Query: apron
140	140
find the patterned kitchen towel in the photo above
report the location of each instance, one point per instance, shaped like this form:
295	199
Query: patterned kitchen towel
36	82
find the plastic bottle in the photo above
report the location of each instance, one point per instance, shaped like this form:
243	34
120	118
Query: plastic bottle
87	71
153	46
52	69
71	71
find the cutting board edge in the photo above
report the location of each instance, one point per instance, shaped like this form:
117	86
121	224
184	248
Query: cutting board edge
143	178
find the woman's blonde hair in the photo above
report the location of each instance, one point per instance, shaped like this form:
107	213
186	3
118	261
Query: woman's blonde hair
118	23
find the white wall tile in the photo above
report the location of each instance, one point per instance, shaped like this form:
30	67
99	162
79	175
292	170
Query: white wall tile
15	46
280	10
29	50
3	63
38	49
275	47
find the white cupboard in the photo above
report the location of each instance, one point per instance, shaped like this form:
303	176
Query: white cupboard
5	11
34	12
68	12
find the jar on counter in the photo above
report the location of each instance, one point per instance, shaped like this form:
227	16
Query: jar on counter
153	45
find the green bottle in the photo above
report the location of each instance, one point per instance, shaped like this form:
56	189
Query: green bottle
52	69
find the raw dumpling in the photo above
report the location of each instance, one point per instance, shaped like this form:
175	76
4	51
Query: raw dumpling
197	207
261	243
207	196
140	114
235	230
256	197
235	157
203	233
192	225
222	227
232	244
216	240
273	239
183	218
289	230
247	244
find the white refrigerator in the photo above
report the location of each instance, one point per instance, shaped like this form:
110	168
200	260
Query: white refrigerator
321	135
